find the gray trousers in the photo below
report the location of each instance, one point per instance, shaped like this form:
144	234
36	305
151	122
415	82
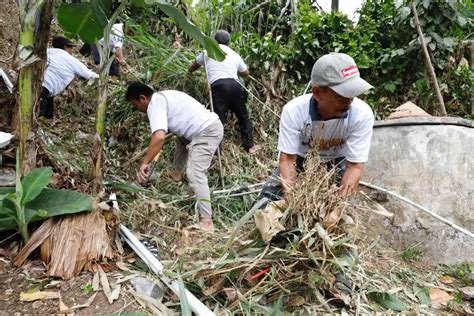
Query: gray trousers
195	156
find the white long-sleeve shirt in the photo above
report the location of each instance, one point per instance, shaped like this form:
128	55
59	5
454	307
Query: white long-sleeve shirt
61	70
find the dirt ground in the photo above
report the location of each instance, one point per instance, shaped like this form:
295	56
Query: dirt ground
8	33
30	278
8	42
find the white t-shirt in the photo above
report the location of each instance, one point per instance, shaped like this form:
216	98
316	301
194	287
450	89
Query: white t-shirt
228	68
61	69
347	137
116	37
175	111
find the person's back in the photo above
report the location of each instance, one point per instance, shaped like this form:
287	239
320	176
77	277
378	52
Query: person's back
61	70
179	113
226	69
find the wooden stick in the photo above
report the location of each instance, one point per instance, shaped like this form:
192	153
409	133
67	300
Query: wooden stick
221	173
442	108
444	220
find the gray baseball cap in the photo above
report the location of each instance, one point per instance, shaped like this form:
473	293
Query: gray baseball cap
340	73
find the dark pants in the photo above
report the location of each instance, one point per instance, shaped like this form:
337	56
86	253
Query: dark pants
46	104
273	191
114	68
227	94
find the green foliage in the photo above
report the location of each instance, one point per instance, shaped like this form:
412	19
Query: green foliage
88	21
185	309
387	300
87	288
80	19
30	200
462	272
411	253
423	295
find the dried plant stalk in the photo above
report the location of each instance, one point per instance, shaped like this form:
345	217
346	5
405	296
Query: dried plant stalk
71	244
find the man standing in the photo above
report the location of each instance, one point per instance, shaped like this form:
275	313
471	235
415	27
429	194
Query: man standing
60	71
332	115
199	134
227	93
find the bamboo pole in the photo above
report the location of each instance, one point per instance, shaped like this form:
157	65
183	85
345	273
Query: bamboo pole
424	209
221	172
442	108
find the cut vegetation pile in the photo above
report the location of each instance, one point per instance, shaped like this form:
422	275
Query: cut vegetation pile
310	262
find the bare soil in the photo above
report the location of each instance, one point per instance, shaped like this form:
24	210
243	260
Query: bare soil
31	278
9	33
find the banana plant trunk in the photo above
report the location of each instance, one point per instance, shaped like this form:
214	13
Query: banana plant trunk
35	19
99	139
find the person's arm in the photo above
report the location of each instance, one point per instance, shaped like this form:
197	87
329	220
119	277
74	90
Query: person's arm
287	166
82	71
351	177
242	68
156	144
194	66
244	73
119	55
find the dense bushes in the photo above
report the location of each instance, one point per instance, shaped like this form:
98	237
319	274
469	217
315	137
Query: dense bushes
384	43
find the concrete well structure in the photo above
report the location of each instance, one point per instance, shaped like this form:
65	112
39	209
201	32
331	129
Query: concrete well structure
428	160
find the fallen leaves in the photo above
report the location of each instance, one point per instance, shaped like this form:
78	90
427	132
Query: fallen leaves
267	220
39	295
439	298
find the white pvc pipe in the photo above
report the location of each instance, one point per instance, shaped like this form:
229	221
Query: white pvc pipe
157	267
7	81
424	209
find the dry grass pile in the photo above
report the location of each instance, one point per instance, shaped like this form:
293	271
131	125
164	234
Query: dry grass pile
306	265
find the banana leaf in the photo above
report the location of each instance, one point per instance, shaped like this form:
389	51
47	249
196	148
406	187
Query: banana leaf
50	202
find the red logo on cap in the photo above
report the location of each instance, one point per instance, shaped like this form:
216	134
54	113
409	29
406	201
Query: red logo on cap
352	70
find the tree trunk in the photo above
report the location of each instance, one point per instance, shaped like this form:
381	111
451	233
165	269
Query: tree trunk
334	5
35	19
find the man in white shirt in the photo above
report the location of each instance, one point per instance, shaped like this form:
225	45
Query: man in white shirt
227	93
340	123
60	71
116	48
199	133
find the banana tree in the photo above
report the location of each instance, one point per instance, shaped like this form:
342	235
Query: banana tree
35	19
30	201
93	20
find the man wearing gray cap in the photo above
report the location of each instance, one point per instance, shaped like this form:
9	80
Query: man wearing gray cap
331	114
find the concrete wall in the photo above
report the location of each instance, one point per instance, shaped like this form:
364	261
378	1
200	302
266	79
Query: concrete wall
429	161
